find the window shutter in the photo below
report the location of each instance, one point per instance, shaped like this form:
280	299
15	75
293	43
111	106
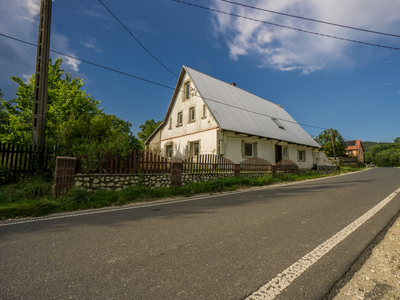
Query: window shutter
243	149
255	150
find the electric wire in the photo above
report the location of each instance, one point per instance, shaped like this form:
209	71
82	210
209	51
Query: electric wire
310	19
160	84
288	27
148	51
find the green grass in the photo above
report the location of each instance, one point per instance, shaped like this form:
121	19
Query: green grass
32	197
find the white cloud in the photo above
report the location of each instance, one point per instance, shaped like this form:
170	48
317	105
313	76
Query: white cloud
91	44
388	83
286	49
398	92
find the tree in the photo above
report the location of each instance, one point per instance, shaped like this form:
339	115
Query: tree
65	101
397	140
385	155
147	129
325	141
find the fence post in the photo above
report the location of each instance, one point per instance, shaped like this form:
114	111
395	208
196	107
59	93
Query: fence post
274	169
236	170
176	173
63	175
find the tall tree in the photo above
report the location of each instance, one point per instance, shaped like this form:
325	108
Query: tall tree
65	100
147	129
324	139
397	140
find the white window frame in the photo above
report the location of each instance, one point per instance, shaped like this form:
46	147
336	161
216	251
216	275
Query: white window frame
169	151
186	90
179	121
252	149
192	114
301	155
193	148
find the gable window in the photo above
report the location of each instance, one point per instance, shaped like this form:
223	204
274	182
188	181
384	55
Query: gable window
168	151
204	112
192	114
186	91
279	124
180	117
301	155
170	123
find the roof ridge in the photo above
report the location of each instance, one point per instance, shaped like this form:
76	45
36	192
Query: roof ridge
234	86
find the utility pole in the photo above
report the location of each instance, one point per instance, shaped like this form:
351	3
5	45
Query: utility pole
41	74
333	145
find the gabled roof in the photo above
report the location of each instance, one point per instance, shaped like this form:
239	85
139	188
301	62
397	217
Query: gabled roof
354	145
239	111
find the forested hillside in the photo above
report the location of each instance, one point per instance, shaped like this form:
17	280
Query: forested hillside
383	154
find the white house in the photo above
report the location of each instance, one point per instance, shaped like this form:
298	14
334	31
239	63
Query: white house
209	116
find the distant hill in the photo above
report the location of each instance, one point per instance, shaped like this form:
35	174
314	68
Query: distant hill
367	145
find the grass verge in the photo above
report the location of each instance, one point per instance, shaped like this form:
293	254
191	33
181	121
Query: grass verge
32	197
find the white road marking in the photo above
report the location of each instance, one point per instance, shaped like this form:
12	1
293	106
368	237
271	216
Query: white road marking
275	286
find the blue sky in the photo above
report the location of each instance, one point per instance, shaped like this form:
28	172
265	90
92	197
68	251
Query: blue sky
319	81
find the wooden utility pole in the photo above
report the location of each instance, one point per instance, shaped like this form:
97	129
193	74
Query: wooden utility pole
41	74
333	146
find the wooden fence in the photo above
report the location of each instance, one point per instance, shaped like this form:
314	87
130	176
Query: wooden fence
20	159
135	162
207	163
287	166
255	164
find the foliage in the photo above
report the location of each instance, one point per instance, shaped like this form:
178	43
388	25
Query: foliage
324	139
397	140
74	120
65	100
147	129
386	155
368	145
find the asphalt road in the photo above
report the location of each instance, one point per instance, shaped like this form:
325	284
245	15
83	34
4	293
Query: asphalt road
223	246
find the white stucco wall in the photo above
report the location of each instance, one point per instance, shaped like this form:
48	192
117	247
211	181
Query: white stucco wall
265	149
202	129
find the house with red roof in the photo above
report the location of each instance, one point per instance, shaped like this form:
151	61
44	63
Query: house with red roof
355	148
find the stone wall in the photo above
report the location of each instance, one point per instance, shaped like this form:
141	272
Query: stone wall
323	162
119	181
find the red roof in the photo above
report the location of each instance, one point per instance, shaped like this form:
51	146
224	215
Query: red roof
354	146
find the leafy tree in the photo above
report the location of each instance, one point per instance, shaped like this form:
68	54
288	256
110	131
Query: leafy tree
386	155
397	140
3	115
324	139
65	100
147	129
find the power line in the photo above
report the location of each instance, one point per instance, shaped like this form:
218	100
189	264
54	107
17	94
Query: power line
288	27
137	39
310	19
160	84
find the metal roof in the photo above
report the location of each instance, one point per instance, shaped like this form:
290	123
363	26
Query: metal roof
239	111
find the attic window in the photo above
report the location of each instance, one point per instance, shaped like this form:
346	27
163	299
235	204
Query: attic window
187	91
278	123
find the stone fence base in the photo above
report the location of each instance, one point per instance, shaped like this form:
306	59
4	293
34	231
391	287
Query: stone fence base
118	182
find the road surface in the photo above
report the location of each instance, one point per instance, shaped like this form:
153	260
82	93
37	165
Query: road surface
225	246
